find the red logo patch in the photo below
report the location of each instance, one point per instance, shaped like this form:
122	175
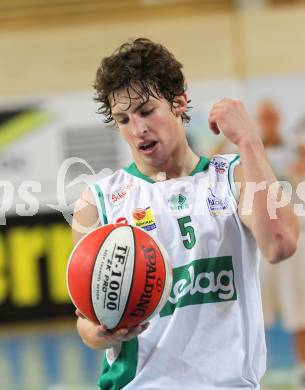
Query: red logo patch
122	220
139	214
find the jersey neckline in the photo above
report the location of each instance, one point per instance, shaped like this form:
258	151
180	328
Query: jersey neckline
133	170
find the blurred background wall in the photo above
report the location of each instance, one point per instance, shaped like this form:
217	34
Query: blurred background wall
49	53
51	47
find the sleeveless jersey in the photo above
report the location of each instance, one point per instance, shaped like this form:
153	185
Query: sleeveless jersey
210	333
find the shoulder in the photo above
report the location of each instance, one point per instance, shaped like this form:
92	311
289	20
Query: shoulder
226	167
85	215
223	162
108	176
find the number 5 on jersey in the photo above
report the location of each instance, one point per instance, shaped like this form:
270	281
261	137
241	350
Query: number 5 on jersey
187	232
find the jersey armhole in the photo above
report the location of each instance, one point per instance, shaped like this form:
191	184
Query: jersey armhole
100	202
234	189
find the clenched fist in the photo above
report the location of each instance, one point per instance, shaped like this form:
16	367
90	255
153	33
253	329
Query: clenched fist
231	119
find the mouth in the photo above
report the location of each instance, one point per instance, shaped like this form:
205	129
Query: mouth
147	146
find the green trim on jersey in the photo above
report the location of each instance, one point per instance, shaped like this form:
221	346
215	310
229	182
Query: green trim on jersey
201	166
102	203
133	170
231	178
123	370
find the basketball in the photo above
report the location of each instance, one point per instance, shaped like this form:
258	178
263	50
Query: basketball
118	275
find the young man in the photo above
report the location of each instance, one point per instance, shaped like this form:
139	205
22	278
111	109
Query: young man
210	333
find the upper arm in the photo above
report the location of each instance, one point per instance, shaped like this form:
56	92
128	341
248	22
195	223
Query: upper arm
85	216
240	182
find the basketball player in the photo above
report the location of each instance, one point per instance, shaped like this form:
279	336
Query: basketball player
210	333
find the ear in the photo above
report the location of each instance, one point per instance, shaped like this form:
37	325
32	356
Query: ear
180	104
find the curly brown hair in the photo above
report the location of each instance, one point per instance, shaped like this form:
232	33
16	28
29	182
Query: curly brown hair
143	66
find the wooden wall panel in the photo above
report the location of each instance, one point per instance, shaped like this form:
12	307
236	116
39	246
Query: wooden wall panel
52	60
217	45
274	41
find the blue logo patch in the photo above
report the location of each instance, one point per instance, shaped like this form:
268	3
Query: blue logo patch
216	205
220	164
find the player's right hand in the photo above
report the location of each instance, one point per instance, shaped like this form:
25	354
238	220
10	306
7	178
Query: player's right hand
98	337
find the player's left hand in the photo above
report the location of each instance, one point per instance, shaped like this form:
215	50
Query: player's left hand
231	119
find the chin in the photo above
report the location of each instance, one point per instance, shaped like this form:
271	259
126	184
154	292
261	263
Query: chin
155	162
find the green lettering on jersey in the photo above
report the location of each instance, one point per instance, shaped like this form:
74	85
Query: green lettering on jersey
201	281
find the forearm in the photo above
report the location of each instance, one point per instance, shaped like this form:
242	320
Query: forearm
253	156
274	228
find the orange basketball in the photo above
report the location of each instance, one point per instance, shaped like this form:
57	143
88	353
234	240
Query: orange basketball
118	275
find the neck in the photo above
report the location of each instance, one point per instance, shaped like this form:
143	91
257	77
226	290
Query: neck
175	166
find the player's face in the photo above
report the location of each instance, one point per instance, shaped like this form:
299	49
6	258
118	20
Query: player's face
153	130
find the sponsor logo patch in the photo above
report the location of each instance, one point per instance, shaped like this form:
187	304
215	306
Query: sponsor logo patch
122	220
178	202
117	196
143	218
216	205
220	164
201	281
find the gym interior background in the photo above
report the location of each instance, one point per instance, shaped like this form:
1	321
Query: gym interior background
49	52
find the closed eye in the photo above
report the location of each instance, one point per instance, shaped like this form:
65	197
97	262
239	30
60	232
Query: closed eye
143	113
146	113
123	121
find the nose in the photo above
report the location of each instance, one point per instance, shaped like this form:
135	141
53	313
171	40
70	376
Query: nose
138	126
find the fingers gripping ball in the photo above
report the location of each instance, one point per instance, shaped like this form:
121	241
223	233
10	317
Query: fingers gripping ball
118	275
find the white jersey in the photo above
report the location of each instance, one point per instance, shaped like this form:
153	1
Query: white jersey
210	333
